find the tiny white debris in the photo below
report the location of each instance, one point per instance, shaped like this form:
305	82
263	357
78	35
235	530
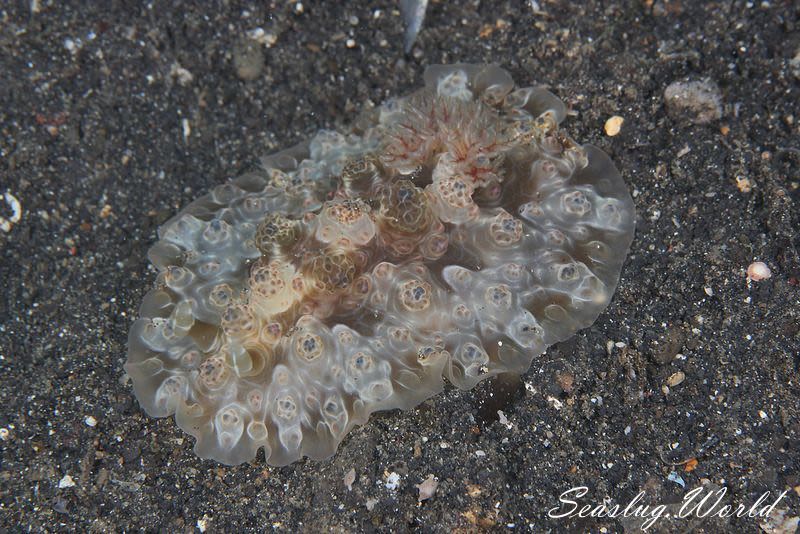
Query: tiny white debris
187	130
627	430
480	454
349	478
4	433
181	74
71	46
557	404
427	488
371	504
350	43
262	37
16	213
676	478
392	481
66	482
202	523
758	271
709	291
16	207
90	421
676	379
762	414
503	419
620	344
743	184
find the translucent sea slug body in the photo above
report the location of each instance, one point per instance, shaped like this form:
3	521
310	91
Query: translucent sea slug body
456	232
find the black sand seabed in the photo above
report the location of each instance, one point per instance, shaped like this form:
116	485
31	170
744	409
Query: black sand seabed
113	117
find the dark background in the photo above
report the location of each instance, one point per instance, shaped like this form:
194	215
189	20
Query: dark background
93	144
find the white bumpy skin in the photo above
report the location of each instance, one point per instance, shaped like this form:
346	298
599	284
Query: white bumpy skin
456	232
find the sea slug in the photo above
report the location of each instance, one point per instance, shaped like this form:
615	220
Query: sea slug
456	232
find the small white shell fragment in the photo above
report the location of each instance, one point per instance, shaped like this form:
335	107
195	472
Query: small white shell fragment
676	379
392	481
181	74
90	421
676	478
349	478
758	271
557	404
427	488
501	417
262	37
66	482
16	212
186	127
202	523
